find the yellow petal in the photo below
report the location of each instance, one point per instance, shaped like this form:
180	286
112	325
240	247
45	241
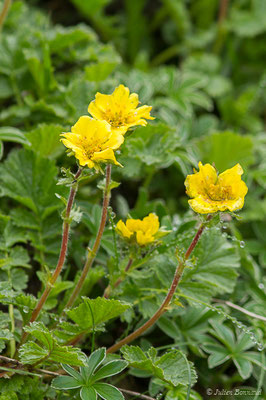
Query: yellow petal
114	141
95	111
105	156
121	94
123	230
133	224
232	177
151	224
196	183
204	206
144	238
133	100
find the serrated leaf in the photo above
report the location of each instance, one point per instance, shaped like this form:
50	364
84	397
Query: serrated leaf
92	312
45	140
210	150
216	262
30	180
50	350
172	367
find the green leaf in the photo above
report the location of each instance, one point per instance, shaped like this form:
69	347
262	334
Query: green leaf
30	180
210	150
92	312
65	383
108	392
9	134
216	261
45	140
110	369
71	371
100	71
61	37
30	352
18	257
39	64
244	366
172	367
95	359
154	145
88	393
50	350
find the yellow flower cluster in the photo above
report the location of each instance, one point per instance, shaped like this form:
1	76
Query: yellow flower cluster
142	231
211	192
93	140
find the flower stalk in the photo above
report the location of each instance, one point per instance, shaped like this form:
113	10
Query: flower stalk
164	306
62	256
93	252
4	12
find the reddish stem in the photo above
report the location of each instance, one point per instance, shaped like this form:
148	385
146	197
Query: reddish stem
92	253
168	298
223	10
62	256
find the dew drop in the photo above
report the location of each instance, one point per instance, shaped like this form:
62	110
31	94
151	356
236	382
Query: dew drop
174	229
25	309
260	346
261	285
242	244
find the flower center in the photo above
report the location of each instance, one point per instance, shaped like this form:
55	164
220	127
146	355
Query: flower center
90	147
218	192
115	119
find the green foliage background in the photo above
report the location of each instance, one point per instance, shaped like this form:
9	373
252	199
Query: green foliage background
205	77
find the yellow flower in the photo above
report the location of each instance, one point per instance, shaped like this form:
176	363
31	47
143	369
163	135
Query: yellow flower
211	192
119	109
143	231
93	142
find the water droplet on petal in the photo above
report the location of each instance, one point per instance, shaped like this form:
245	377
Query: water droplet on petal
242	244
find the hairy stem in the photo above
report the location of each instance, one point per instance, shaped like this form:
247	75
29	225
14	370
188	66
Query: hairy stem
107	291
92	253
164	306
241	309
62	256
4	12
